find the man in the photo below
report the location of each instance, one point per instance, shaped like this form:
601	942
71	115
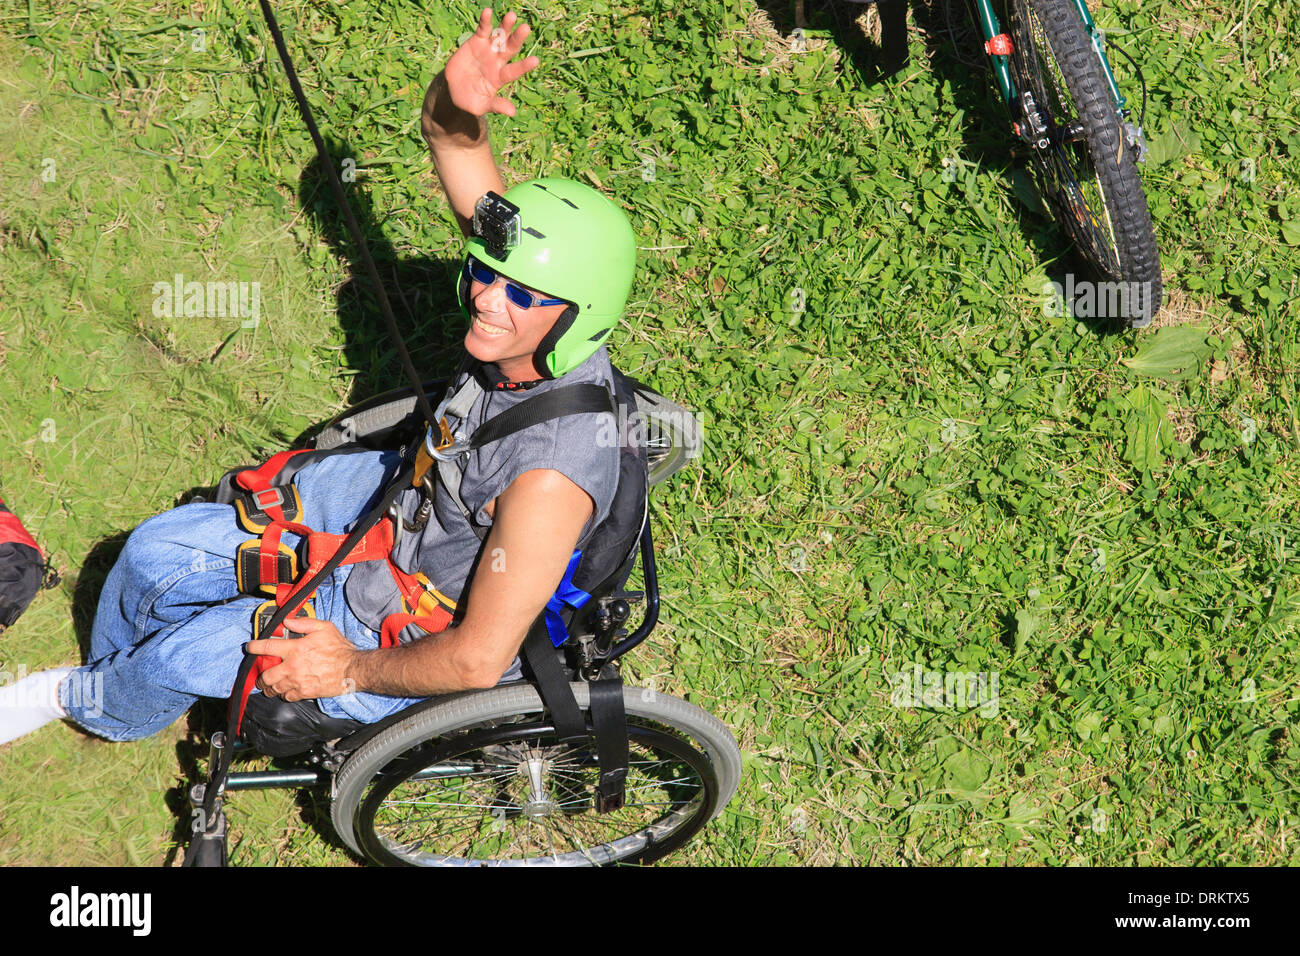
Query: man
542	292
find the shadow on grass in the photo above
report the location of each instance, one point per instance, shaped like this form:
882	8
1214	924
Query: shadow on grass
421	290
204	719
90	581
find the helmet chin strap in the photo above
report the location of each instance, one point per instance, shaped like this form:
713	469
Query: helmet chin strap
551	339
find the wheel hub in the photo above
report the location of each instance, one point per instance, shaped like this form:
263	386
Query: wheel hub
538	810
539	804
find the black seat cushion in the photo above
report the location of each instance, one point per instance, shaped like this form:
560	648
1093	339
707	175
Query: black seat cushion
280	729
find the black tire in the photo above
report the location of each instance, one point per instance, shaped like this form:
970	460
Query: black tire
1087	172
452	785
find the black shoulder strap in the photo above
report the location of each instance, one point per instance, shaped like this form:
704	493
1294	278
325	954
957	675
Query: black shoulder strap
569	400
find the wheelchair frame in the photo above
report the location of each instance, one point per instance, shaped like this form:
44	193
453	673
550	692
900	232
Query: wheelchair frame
658	723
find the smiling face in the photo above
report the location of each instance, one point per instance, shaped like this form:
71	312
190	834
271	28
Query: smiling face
505	333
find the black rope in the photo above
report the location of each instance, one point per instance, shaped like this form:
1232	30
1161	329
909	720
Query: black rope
217	776
363	250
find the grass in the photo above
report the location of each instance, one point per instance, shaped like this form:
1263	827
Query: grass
911	459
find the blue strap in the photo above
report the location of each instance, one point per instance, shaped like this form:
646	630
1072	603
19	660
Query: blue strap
568	594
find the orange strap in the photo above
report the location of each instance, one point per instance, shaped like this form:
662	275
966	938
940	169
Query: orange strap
376	544
395	623
321	546
408	584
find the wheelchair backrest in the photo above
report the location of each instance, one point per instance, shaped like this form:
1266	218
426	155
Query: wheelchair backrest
614	540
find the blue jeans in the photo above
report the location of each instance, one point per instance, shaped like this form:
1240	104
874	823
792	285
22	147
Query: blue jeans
171	624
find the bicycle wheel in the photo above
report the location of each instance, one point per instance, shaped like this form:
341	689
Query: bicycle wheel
1085	170
483	780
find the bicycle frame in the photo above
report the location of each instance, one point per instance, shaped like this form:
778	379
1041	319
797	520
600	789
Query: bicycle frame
991	27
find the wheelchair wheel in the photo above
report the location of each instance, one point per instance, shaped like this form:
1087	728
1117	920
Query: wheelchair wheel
483	780
672	434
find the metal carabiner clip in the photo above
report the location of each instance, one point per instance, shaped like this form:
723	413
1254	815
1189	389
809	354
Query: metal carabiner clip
448	447
400	524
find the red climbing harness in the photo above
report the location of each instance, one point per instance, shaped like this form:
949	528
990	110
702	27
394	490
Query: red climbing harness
265	565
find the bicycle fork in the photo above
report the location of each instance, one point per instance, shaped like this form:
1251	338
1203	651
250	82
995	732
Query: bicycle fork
1030	122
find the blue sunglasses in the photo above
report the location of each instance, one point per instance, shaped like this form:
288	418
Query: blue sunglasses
515	293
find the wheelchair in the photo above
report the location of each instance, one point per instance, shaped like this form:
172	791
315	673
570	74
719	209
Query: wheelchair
485	777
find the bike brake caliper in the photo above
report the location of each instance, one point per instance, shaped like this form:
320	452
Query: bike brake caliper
1036	134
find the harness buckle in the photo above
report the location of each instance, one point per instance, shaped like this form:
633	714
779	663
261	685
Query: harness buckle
249	570
254	507
262	616
610	792
269	498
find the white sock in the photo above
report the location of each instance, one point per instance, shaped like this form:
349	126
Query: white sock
31	703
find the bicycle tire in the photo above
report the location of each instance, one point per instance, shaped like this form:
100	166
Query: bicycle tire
1091	182
470	738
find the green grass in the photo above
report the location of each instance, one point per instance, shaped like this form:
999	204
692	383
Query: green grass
921	466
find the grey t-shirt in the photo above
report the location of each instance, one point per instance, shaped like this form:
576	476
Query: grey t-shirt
577	446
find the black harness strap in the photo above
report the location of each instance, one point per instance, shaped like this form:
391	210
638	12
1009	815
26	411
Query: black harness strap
558	403
569	400
609	721
608	718
552	684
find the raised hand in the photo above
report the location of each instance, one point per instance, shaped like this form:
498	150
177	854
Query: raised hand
477	71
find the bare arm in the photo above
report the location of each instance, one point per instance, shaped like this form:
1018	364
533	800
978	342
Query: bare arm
537	523
538	520
456	104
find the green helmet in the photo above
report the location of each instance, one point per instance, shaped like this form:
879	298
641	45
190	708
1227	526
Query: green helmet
570	243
